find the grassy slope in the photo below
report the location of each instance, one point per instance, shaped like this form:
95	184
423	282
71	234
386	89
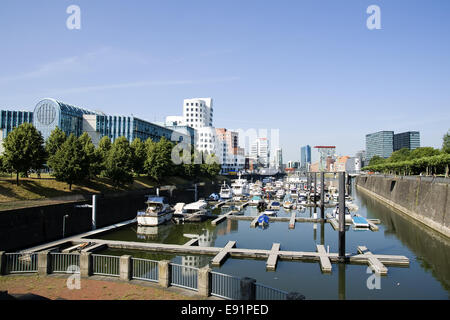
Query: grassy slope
32	189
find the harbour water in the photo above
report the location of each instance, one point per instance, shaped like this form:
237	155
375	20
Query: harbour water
427	277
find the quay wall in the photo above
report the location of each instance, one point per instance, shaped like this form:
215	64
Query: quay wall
22	228
26	227
426	201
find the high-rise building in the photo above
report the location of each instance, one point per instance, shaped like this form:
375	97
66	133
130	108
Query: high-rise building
361	155
10	120
379	144
197	113
259	151
409	140
278	164
305	157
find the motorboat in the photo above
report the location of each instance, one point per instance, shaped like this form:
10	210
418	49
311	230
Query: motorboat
214	197
270	212
225	192
198	207
302	199
287	202
240	187
263	220
158	211
348	216
360	222
274	205
280	193
255	200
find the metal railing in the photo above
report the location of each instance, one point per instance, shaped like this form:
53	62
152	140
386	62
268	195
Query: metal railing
225	286
184	276
145	269
64	262
105	265
21	262
264	292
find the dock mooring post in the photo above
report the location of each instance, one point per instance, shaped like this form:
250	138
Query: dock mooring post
315	191
341	216
322	195
94	212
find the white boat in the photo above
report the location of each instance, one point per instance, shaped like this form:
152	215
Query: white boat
225	192
270	212
275	205
280	193
255	200
348	216
302	199
240	187
158	211
287	202
360	222
198	207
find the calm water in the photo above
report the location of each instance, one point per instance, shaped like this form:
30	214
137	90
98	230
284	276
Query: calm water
427	277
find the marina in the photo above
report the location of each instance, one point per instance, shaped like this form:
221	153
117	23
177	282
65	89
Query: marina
232	241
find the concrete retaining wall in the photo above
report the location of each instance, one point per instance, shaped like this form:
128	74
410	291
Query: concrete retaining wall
22	228
425	201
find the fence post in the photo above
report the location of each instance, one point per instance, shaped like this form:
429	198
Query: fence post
248	289
44	263
125	267
295	296
204	281
86	264
164	273
2	263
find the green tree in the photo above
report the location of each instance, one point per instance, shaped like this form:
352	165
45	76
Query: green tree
93	159
446	143
376	160
69	162
24	149
104	146
424	152
399	155
119	162
55	141
211	167
139	154
159	159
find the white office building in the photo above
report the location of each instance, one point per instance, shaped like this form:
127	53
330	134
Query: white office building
259	151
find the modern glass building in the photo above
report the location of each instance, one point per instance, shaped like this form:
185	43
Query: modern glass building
379	144
10	120
305	156
49	114
409	140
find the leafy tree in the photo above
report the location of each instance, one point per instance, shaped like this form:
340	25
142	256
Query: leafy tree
159	159
446	143
104	146
119	162
424	152
69	162
55	141
376	160
139	154
211	167
399	155
93	159
24	149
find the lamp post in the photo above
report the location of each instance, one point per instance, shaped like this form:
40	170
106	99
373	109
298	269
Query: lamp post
64	224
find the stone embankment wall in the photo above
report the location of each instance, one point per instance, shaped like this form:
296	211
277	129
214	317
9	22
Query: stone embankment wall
425	200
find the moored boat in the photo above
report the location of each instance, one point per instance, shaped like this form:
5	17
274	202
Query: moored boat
158	211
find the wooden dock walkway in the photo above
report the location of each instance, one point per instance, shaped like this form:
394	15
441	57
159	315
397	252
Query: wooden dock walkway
325	263
223	254
292	220
271	263
374	263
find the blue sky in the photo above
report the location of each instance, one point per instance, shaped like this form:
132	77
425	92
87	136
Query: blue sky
311	69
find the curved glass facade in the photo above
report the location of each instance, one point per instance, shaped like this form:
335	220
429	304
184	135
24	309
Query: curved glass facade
49	114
